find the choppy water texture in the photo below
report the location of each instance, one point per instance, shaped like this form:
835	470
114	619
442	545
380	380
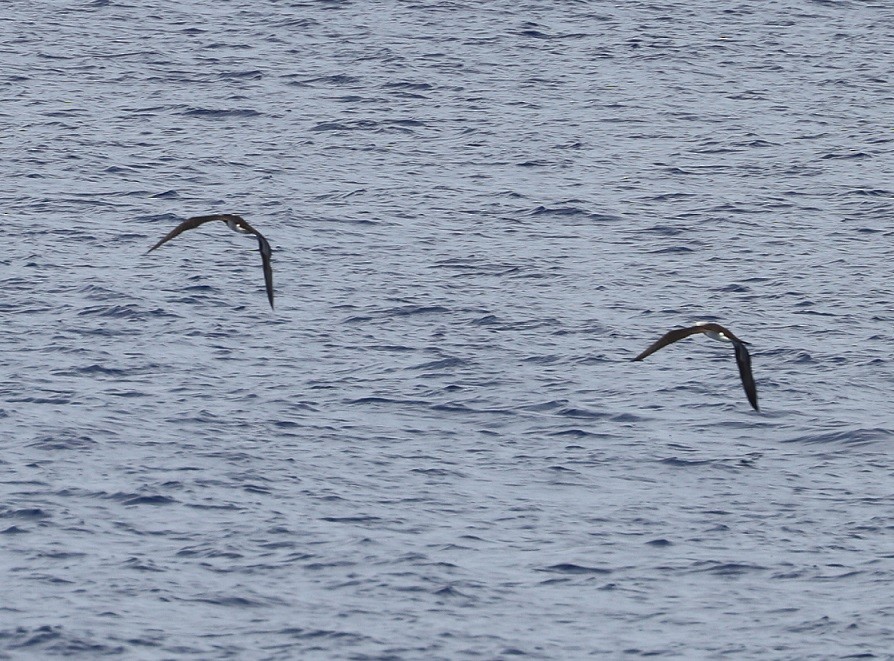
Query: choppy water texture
436	446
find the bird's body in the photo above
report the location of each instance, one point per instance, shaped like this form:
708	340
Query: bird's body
716	332
237	224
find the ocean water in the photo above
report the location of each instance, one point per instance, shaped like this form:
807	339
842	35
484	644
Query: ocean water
436	446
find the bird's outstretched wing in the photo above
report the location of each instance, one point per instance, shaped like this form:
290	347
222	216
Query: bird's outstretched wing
669	338
743	360
266	252
188	224
264	249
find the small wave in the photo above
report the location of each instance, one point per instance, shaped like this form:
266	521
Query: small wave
583	413
56	641
438	364
213	113
727	568
572	211
672	250
29	513
63	441
571	568
845	436
386	400
148	500
842	156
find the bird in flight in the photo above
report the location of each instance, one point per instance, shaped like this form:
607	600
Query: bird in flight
237	224
716	332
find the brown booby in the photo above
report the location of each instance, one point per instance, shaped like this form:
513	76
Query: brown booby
716	332
237	224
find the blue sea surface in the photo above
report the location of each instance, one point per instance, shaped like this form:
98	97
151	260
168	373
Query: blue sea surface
437	446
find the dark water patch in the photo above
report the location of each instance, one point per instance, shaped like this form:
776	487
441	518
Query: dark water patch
661	542
870	192
401	311
499	324
142	565
575	433
130	311
235	601
406	123
62	555
531	30
55	640
208	552
93	370
669	197
571	568
387	400
346	126
849	155
390	348
67	398
450	592
212	113
144	500
727	568
251	74
627	417
672	250
572	211
550	405
543	360
444	363
437	472
574	412
63	441
337	80
845	437
341	195
667	230
127	394
30	513
323	634
458	407
351	98
409	89
561	469
409	310
685	463
733	288
352	519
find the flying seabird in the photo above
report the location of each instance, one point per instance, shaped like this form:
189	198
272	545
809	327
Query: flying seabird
237	224
716	332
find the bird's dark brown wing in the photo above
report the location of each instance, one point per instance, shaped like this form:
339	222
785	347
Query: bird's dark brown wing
670	337
743	360
188	224
266	252
717	328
